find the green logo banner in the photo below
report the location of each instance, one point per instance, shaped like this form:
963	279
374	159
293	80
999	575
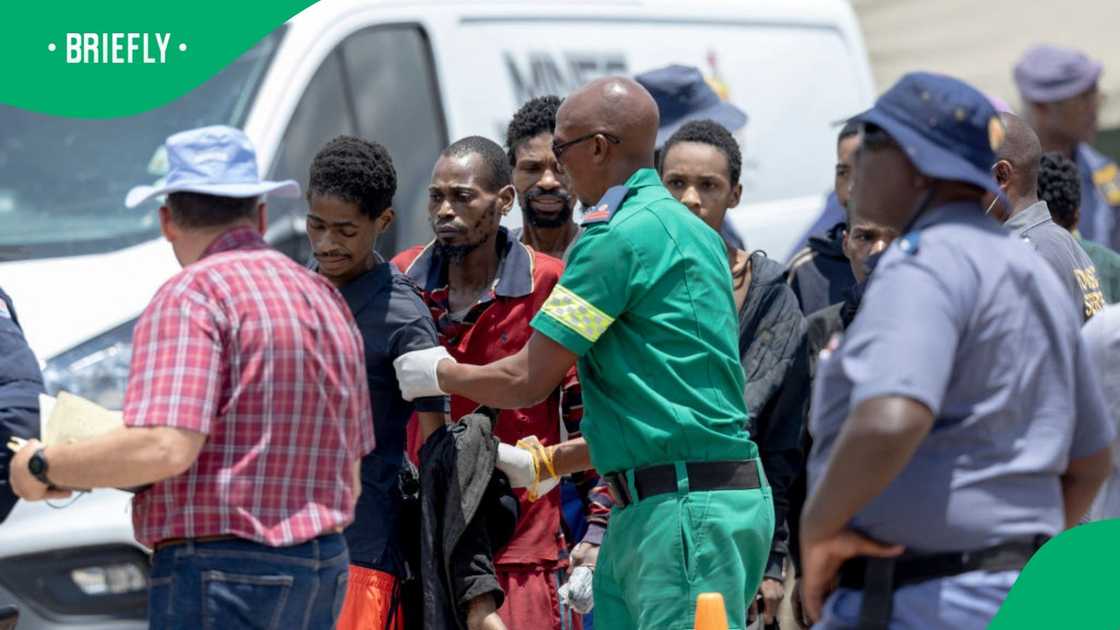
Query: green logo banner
1068	583
103	59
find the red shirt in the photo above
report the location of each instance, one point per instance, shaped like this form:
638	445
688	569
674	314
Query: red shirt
496	327
263	357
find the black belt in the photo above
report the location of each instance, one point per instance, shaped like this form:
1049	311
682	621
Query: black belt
878	578
702	477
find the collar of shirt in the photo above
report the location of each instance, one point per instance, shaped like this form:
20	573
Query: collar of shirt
514	279
1032	216
241	237
643	177
359	291
958	212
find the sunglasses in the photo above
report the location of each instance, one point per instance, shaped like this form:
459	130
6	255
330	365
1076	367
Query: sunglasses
558	148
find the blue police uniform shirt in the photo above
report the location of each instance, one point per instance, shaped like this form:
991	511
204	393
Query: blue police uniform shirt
1060	249
20	386
959	316
393	320
1100	197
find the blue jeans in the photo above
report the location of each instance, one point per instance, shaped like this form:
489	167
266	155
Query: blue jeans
243	584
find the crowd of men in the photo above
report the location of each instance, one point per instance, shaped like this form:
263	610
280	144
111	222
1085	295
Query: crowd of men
592	423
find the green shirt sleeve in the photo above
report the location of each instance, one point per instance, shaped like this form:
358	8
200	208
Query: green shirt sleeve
598	282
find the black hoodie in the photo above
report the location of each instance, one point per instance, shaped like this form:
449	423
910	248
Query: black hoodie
820	274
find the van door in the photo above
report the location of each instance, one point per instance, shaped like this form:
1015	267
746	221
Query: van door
378	83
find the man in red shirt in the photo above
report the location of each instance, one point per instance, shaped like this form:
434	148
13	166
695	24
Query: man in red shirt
247	409
483	288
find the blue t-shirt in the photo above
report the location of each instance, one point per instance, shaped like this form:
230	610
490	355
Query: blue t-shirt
393	320
962	317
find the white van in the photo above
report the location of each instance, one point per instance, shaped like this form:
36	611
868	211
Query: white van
412	75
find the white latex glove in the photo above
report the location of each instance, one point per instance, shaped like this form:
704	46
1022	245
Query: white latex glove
576	592
517	464
416	372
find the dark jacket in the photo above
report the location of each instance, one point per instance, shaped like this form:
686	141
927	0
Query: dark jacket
20	386
773	352
468	512
821	326
820	274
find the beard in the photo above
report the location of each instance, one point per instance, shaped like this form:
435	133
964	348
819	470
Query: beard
455	253
536	219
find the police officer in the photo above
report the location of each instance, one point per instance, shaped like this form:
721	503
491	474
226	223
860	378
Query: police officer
645	305
1060	101
958	423
20	386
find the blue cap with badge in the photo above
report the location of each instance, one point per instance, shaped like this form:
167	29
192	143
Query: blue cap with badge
682	95
1046	73
948	129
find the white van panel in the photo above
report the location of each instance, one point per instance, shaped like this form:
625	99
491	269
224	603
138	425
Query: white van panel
794	80
62	302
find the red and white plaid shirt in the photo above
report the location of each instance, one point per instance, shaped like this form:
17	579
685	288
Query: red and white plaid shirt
264	358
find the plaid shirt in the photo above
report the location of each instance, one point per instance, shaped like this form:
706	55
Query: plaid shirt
263	357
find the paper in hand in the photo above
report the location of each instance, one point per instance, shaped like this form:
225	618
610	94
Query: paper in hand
69	419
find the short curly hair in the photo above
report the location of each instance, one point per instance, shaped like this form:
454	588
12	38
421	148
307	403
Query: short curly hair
535	117
1059	185
354	170
712	133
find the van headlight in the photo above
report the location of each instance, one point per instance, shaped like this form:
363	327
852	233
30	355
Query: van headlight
100	580
96	369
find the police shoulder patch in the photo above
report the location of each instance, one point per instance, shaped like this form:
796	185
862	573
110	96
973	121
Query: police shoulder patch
607	206
910	242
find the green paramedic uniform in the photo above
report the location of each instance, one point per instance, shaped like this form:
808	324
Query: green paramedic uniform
646	303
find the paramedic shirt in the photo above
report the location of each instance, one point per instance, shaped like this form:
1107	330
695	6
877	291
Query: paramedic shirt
646	303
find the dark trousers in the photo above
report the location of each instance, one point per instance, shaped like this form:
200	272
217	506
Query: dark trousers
242	584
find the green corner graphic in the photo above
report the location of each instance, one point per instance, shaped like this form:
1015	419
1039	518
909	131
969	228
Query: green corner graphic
1069	583
103	59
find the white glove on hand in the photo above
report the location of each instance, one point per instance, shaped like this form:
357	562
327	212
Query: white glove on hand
517	464
416	372
576	592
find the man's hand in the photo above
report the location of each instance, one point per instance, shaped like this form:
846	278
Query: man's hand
584	555
524	469
773	592
822	558
416	372
24	484
798	606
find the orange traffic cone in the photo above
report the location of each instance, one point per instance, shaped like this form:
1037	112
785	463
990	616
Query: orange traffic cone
710	613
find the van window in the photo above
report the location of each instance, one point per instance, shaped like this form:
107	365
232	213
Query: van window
377	84
60	196
398	105
323	112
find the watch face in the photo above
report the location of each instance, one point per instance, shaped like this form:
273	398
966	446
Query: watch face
35	464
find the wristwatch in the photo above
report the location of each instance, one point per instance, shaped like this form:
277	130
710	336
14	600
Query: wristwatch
37	465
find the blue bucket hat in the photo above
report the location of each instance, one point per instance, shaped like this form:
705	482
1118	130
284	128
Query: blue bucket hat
682	95
947	128
215	160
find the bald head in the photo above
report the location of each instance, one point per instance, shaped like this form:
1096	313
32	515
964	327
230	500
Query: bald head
1021	146
1023	150
625	116
617	105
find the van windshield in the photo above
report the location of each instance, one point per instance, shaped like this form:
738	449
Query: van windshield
63	180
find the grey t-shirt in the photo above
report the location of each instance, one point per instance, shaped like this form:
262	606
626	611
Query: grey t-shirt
1059	248
958	317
